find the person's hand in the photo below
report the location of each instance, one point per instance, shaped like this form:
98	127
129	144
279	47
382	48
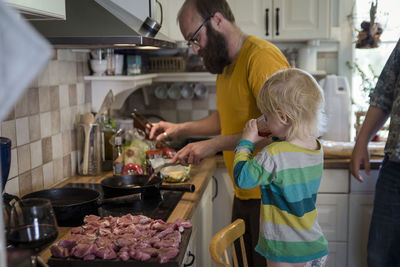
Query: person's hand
360	156
250	131
193	153
162	130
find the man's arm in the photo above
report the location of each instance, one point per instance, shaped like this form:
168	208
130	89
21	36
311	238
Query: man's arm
374	120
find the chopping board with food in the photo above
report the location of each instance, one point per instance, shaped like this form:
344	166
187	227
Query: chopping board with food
122	241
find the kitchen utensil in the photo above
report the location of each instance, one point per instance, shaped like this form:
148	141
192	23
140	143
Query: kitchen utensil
141	122
107	102
89	149
32	224
119	64
130	184
161	91
200	91
5	158
71	205
98	66
174	91
187	91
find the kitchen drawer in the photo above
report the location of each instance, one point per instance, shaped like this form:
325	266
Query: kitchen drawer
335	181
367	186
337	254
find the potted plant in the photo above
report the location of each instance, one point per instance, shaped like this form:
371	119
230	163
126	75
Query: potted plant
369	35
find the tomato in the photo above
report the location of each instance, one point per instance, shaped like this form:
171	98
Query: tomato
131	168
168	153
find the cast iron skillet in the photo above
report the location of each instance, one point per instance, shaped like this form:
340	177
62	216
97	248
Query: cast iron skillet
131	184
71	205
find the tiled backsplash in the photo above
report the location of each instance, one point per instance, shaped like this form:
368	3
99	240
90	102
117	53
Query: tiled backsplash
41	124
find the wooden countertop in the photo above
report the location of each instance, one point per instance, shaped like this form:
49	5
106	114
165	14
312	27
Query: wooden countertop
339	163
200	175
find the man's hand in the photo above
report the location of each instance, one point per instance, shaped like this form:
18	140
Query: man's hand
193	153
360	156
162	130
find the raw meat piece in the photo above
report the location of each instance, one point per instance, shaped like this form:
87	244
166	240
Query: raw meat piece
175	235
141	256
166	243
106	253
59	251
66	244
124	255
91	218
81	250
165	254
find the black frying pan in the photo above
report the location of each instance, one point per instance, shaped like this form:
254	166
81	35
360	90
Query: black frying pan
71	205
132	184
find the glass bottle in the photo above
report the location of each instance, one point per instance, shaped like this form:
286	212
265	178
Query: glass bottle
118	156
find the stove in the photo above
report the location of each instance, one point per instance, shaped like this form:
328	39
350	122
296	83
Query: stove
157	207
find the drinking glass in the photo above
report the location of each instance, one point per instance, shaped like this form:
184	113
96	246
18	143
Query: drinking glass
262	127
32	224
5	159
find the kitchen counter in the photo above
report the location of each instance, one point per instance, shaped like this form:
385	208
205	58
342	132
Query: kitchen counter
200	176
339	163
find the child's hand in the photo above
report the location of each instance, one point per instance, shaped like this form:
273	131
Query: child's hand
250	131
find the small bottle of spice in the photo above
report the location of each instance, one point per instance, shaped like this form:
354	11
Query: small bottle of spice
118	157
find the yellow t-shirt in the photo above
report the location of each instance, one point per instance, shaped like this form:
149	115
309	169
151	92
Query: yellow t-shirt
237	91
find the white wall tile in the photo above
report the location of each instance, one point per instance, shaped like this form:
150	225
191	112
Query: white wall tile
80	93
8	130
184	104
56	142
212	101
74	163
12	186
14	163
199	114
22	128
64	95
65	115
44	99
24	158
36	154
45	124
48	177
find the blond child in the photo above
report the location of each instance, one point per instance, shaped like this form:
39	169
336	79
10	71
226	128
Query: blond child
289	170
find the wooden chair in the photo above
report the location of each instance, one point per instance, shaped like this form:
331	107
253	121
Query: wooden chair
225	238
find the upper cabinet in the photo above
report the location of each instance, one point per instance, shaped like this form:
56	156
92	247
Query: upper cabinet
283	20
40	9
277	20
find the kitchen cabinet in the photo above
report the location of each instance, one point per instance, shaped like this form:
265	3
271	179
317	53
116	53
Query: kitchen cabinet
40	10
283	20
197	253
170	26
360	212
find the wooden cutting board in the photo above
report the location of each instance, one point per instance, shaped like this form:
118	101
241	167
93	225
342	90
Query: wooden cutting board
334	149
175	262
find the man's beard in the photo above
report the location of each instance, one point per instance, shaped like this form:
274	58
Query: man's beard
215	53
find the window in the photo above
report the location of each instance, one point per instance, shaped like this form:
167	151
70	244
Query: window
388	16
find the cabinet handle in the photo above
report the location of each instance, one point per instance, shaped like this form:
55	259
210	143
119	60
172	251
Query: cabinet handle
216	188
267	21
192	260
277	21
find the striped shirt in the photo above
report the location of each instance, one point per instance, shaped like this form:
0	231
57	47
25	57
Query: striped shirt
289	177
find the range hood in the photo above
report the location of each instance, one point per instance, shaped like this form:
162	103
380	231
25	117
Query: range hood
105	24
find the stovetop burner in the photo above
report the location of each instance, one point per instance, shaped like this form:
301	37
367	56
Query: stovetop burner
156	208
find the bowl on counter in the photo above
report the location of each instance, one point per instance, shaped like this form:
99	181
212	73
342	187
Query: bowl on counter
187	91
98	66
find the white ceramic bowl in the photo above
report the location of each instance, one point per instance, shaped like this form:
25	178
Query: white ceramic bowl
161	91
174	91
200	90
187	91
98	66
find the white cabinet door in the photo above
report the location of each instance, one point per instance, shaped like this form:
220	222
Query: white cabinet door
43	9
332	216
283	19
360	211
300	19
337	254
250	15
201	232
170	26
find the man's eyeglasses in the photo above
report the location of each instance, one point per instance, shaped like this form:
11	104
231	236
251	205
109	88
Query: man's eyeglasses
193	40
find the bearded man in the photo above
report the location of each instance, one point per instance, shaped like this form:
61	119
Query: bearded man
242	63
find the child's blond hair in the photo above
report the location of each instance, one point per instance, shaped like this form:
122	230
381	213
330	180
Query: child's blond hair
297	94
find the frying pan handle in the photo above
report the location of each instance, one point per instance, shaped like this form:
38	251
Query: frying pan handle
121	200
178	187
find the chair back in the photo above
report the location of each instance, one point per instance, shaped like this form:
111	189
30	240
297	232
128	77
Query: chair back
224	239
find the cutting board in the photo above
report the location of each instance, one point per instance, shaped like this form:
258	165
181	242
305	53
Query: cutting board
175	262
